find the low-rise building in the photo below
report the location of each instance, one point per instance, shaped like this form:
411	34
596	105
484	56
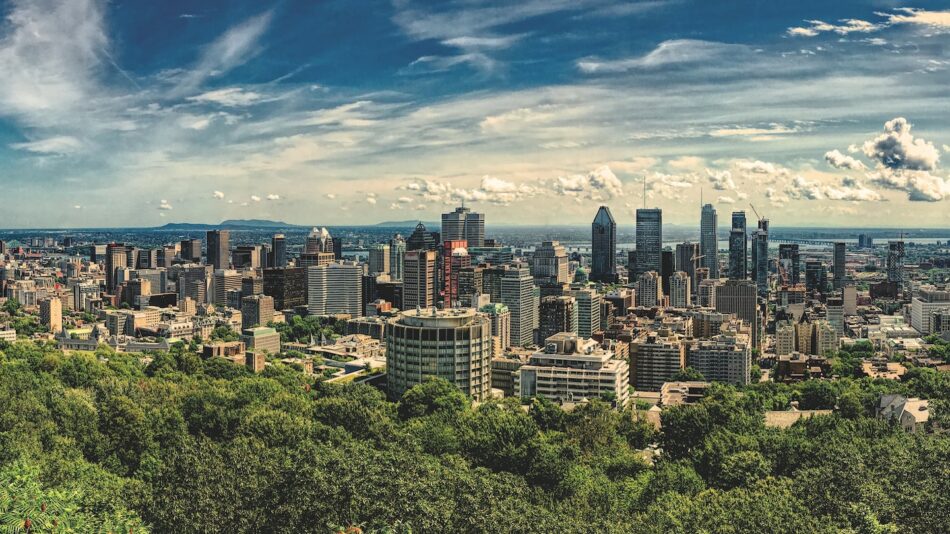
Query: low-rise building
911	413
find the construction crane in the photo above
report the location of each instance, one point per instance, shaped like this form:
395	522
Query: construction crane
754	211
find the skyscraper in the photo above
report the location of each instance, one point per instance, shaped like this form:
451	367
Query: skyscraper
708	243
456	258
288	286
550	264
421	239
589	319
116	257
738	247
278	252
335	288
219	249
256	310
223	281
517	291
604	247
649	289
839	265
191	250
687	260
760	256
51	314
464	224
679	290
379	259
895	262
789	264
318	241
397	251
649	240
419	279
557	314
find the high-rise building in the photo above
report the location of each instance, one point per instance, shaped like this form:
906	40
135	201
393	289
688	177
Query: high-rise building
422	239
603	247
288	286
278	251
500	326
667	268
865	241
455	345
589	319
193	282
397	252
839	265
419	279
248	257
649	289
928	300
518	292
656	357
895	262
738	247
252	285
686	259
115	258
335	289
816	276
219	249
723	358
760	256
649	240
223	281
557	314
708	239
679	290
256	310
191	250
464	224
789	264
550	264
379	259
51	314
83	292
470	284
740	298
318	241
456	258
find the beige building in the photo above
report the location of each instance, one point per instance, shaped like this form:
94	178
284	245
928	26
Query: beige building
655	357
51	314
262	339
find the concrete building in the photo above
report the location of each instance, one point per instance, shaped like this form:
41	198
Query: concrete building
223	281
379	259
649	289
680	290
928	300
572	369
519	294
335	289
709	240
500	327
51	314
655	357
219	249
456	258
550	264
686	258
589	319
455	345
418	290
785	338
723	358
464	225
557	314
262	339
256	310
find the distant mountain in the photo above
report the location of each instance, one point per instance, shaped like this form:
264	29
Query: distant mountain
409	224
229	224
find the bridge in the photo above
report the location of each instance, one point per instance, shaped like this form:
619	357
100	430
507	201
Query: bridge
801	241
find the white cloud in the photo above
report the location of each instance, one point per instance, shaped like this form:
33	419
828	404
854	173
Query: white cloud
255	198
273	197
53	145
371	200
229	97
599	184
673	52
721	180
77	206
754	133
725	200
217	194
843	161
896	148
852	190
845	27
164	205
330	196
920	186
936	20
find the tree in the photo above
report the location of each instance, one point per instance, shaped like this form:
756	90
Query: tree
431	396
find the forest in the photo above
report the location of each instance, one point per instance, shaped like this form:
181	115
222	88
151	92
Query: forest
110	443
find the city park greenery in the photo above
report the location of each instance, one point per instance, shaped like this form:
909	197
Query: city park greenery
107	442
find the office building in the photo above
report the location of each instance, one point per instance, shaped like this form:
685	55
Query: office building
84	292
785	338
924	305
190	250
422	239
248	257
667	268
464	225
708	239
262	340
256	310
454	345
740	298
895	263
335	289
603	247
219	249
649	240
839	265
738	247
655	357
51	314
760	257
318	241
470	282
816	276
454	260
680	290
418	288
252	285
686	259
572	369
288	286
589	303
193	282
223	281
379	259
649	290
518	292
834	312
865	241
397	253
789	264
557	314
550	264
278	251
500	318
116	258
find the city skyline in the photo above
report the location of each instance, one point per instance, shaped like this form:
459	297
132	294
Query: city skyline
244	110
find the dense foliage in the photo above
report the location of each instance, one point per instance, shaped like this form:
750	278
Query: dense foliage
190	445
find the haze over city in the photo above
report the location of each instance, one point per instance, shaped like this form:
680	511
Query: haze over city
138	114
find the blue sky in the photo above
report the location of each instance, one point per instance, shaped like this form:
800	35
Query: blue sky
342	112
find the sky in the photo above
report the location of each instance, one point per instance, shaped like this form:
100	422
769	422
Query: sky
139	113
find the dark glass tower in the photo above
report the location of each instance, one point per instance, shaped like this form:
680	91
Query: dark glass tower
738	247
708	240
604	247
649	240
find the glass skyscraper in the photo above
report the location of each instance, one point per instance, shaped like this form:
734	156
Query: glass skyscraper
708	244
738	247
649	240
604	247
